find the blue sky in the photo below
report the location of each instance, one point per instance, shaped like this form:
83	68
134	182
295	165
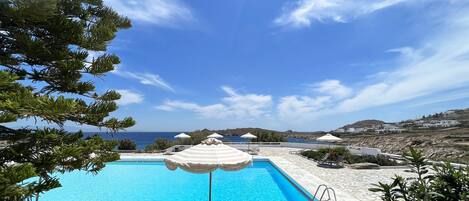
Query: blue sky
287	64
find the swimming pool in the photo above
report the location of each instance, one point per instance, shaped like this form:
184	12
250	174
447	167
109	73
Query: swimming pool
152	181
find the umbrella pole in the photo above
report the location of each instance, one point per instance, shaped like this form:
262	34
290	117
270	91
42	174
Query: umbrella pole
210	188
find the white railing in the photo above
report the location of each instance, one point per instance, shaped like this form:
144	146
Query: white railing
280	144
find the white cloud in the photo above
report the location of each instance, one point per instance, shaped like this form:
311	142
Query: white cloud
246	105
146	79
92	55
208	111
169	13
305	12
234	105
301	107
446	97
333	88
439	66
129	97
408	54
445	66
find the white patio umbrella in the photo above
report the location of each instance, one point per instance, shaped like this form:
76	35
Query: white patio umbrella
208	156
182	136
328	138
248	136
215	135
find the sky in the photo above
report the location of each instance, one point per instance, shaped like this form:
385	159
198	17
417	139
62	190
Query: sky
303	65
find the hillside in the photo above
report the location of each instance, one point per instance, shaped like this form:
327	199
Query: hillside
461	115
445	144
438	143
241	131
364	123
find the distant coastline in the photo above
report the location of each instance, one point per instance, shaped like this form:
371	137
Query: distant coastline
143	139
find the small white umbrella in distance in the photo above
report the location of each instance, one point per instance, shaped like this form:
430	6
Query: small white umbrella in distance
182	136
328	138
215	135
208	156
248	136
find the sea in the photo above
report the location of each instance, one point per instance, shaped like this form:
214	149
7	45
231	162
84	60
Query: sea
142	139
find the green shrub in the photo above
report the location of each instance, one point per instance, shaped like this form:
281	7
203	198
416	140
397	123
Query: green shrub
338	151
445	183
159	144
349	158
379	159
198	136
333	153
126	144
315	155
264	136
187	141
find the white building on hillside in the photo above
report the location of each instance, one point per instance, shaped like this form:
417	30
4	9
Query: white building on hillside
437	123
390	128
355	130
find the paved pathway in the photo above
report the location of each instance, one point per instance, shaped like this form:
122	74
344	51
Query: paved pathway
349	181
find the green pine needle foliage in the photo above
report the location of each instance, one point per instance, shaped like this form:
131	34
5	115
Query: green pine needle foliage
46	75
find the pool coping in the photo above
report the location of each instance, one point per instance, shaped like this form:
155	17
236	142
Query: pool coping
304	181
307	180
300	188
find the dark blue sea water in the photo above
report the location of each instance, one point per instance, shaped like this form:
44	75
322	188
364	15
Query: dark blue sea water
143	139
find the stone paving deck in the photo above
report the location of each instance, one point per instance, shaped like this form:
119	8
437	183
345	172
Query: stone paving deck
351	182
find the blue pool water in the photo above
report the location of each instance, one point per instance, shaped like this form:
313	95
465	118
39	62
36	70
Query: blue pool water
152	181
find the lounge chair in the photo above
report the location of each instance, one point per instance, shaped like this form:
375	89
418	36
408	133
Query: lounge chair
253	151
325	157
296	152
168	151
181	148
327	162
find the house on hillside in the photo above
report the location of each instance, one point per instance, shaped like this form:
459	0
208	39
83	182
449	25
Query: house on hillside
355	130
389	128
349	130
437	123
440	124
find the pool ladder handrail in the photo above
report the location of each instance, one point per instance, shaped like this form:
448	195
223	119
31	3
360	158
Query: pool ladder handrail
326	189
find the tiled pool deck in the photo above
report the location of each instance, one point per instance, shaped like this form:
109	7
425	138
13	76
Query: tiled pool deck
349	184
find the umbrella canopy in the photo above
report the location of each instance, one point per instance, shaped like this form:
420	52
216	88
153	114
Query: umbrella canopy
215	135
182	135
208	156
328	138
248	136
